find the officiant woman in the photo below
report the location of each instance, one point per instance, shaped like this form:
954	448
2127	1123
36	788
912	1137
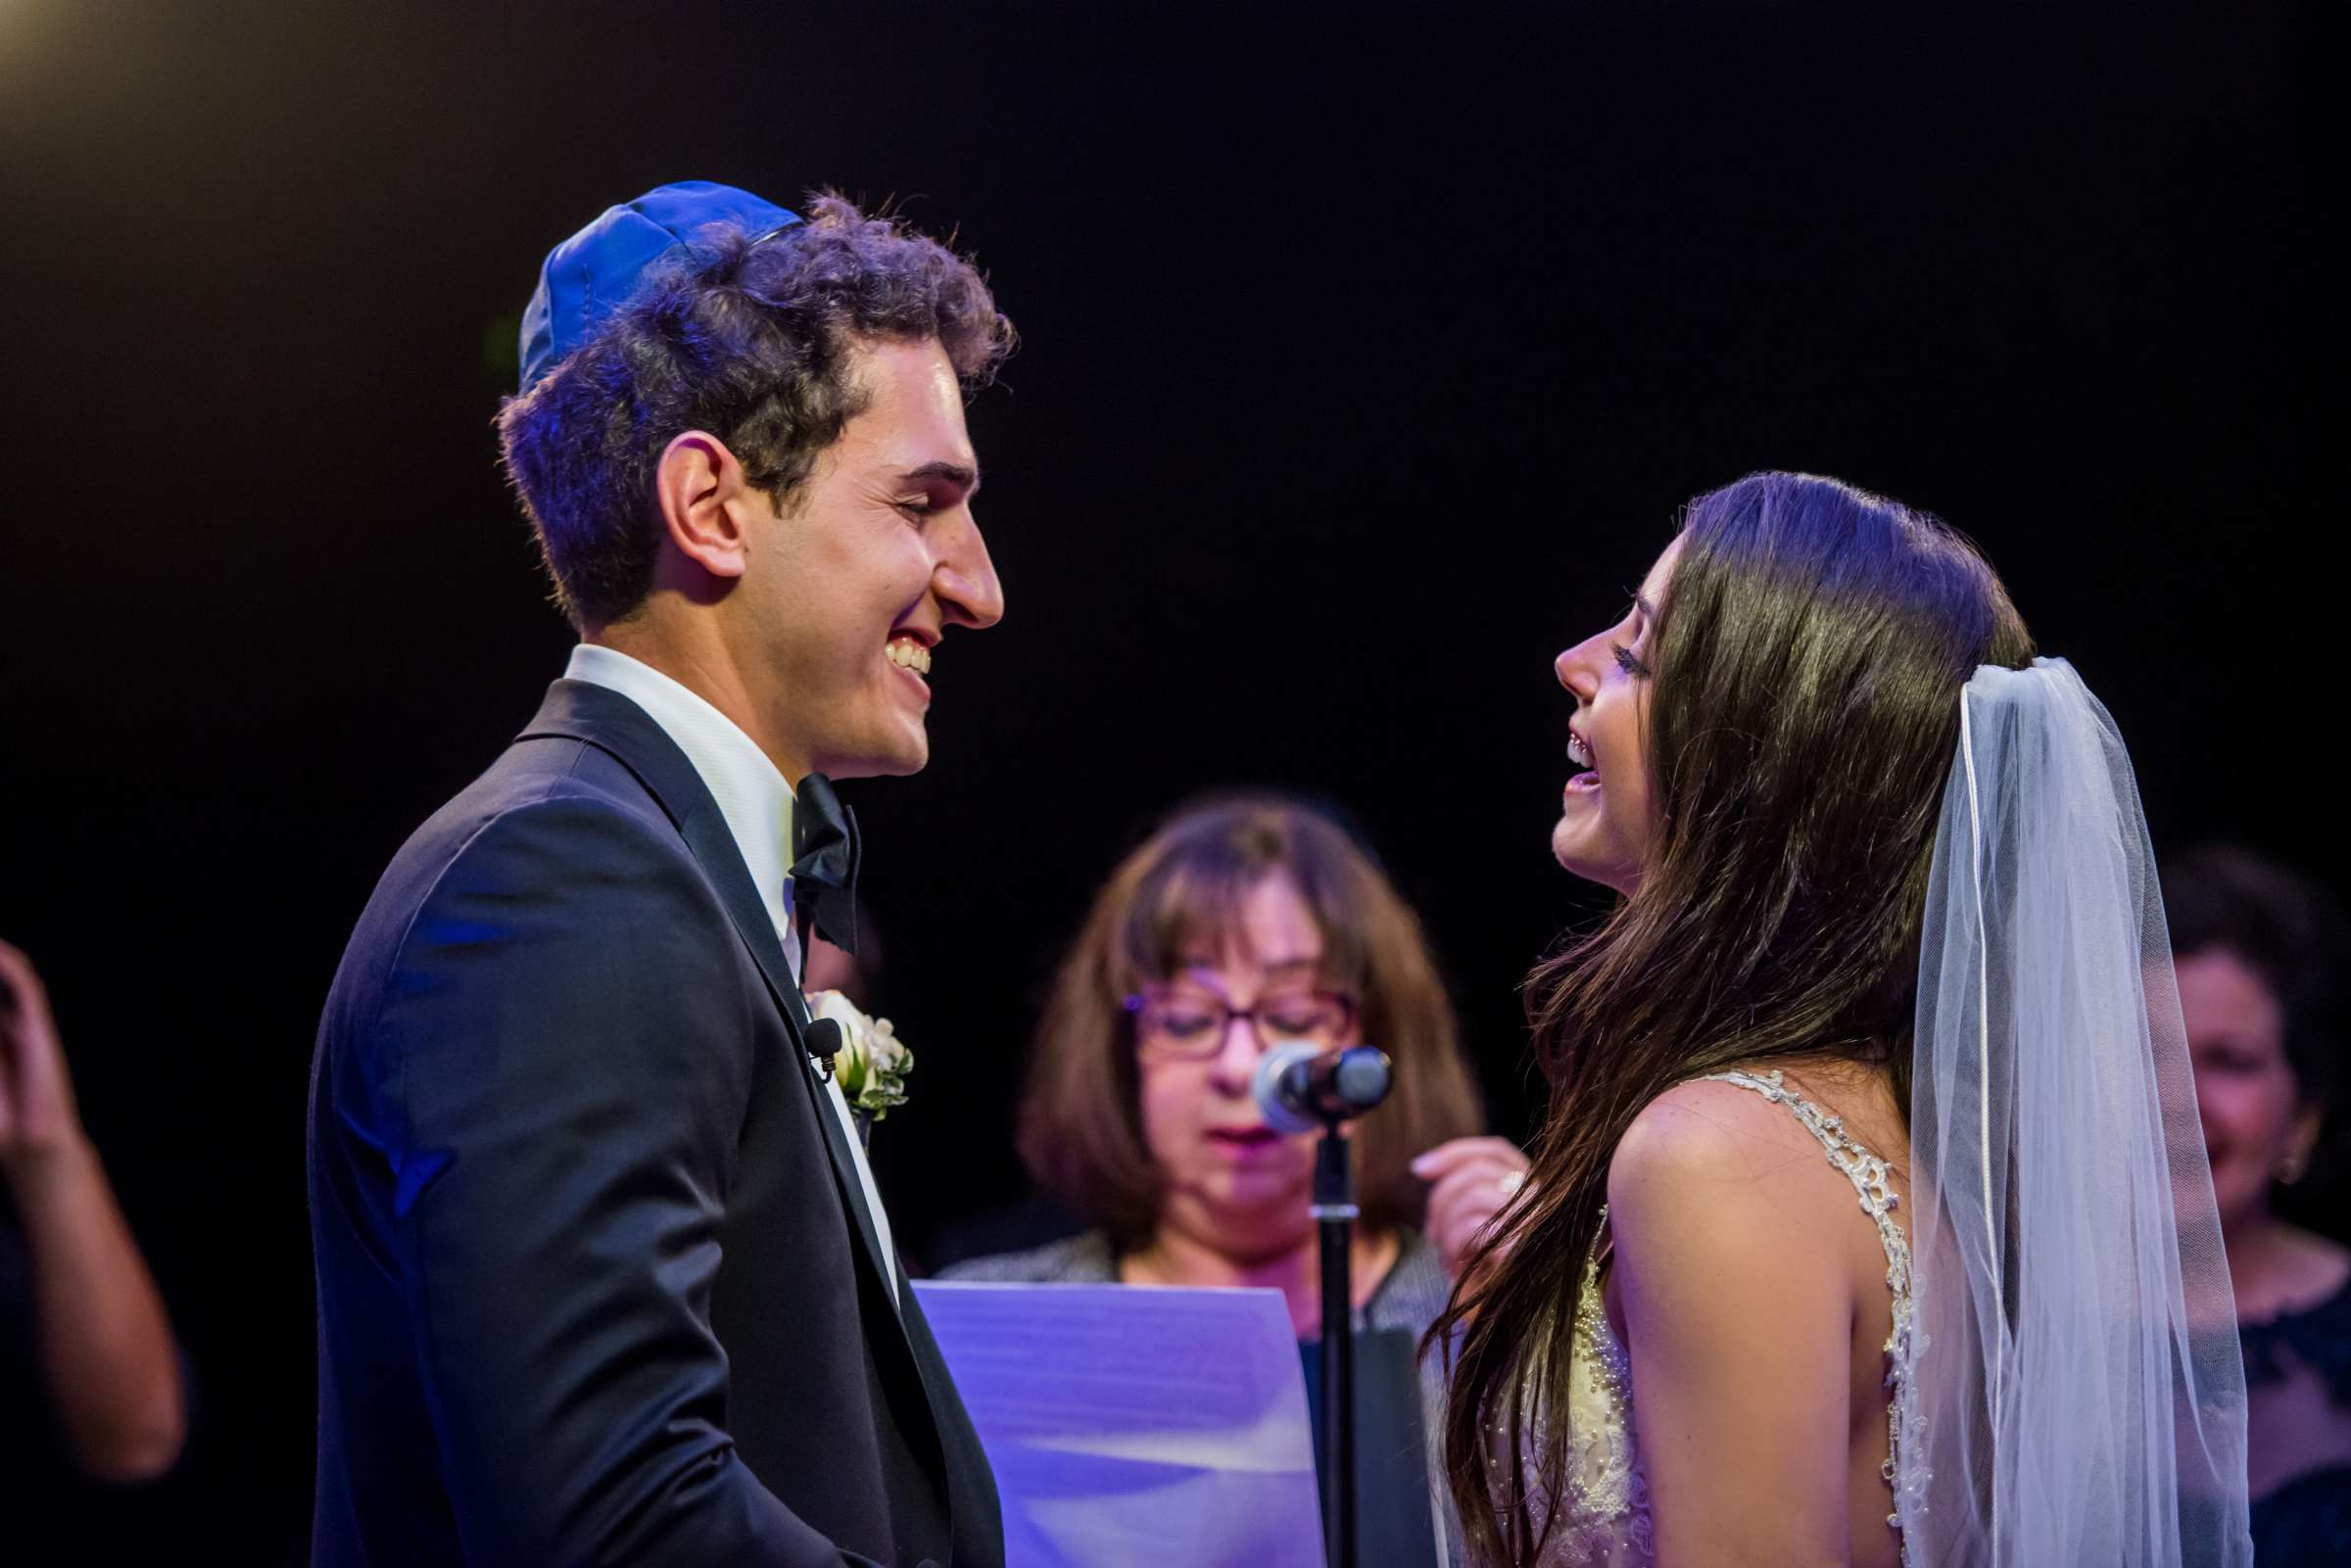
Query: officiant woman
1243	924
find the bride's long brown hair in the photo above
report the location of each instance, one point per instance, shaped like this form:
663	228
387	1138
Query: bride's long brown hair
1807	657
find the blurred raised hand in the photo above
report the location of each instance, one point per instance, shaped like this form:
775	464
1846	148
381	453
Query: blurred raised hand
37	1096
105	1344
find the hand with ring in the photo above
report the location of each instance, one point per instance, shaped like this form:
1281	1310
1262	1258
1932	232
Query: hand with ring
1470	1181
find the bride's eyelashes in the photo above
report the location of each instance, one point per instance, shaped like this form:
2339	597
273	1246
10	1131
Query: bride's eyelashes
1628	661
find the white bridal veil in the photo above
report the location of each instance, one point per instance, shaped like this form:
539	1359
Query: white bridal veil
2075	1396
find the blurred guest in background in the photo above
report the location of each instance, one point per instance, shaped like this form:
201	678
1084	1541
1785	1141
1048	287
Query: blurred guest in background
88	1370
1241	924
2260	952
852	975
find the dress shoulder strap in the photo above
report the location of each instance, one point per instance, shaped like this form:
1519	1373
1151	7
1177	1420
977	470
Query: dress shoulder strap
1872	1177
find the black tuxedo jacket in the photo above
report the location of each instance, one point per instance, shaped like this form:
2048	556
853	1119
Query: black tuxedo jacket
597	1283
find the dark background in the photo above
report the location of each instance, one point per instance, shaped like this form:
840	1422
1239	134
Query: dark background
1368	355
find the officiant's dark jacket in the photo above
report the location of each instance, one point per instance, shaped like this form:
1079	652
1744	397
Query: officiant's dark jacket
596	1280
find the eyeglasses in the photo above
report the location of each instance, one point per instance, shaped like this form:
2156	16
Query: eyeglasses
1194	1025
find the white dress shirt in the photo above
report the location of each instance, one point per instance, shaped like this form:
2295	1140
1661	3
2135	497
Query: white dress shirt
755	800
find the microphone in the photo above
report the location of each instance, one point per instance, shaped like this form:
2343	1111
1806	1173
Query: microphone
1298	1089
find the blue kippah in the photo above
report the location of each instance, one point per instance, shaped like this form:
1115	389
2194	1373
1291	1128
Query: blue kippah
601	267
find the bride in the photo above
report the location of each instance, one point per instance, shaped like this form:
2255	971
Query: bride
1870	1224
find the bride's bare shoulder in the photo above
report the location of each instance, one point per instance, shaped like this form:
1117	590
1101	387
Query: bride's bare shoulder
1710	1157
1706	1128
1723	1235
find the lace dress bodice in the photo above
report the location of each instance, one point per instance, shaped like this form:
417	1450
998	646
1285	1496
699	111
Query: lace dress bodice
1603	1521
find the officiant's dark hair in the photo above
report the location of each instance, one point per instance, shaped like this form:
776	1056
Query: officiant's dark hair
1804	712
1080	1122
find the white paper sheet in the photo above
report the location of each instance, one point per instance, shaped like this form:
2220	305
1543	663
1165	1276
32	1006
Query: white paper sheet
1134	1426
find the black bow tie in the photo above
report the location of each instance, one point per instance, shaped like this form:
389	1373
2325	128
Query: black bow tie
823	865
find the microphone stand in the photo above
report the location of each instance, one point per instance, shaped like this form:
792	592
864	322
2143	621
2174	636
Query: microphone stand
1334	1211
1298	1089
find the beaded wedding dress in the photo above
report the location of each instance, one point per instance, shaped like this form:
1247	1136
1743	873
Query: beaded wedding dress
1603	1521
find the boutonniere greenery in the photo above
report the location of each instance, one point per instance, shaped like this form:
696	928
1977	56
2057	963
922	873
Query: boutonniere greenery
872	1063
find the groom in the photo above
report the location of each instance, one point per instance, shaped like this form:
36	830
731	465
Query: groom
602	1276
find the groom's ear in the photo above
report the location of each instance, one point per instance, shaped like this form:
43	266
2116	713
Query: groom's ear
699	492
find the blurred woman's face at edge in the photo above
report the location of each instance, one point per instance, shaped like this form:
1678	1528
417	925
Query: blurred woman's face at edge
1233	1183
1604	821
2255	1124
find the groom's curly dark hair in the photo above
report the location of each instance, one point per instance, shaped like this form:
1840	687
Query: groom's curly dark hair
748	339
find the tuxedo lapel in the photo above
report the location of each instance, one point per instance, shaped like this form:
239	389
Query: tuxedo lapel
975	1512
837	1145
582	711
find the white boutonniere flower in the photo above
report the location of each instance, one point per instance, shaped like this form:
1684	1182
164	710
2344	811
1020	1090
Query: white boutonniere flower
872	1063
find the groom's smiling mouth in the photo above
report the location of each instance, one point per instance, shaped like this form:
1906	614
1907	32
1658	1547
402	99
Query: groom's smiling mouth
909	651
